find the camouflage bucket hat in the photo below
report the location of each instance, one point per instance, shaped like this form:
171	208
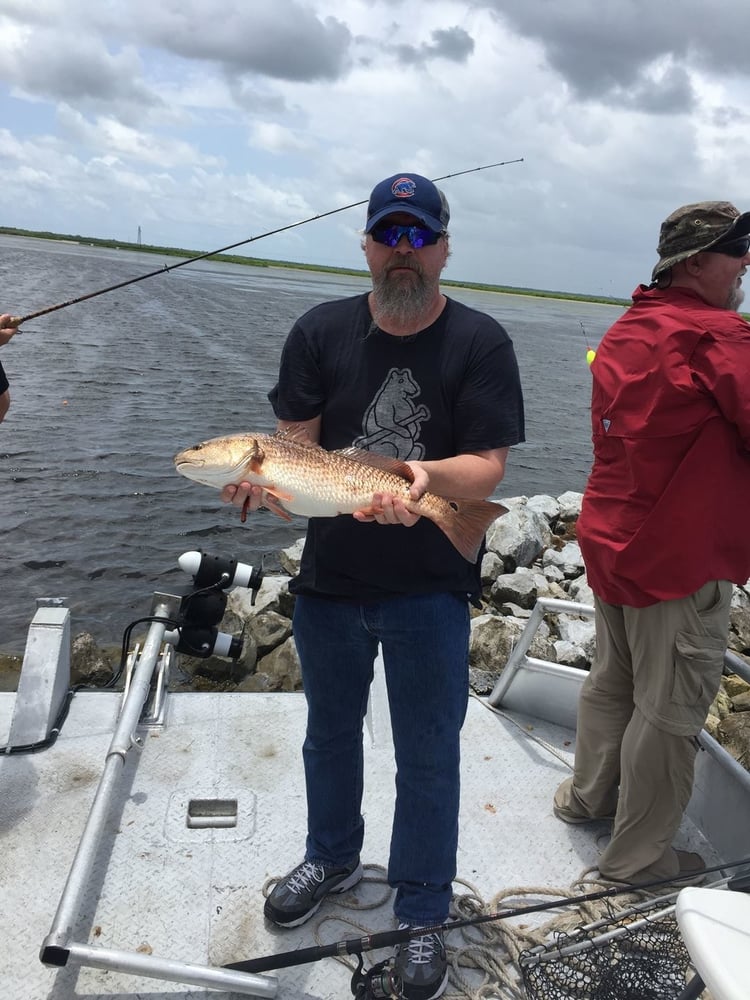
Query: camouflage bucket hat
693	228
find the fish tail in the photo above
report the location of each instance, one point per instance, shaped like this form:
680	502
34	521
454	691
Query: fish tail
466	523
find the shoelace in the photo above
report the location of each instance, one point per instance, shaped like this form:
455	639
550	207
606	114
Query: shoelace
421	949
308	874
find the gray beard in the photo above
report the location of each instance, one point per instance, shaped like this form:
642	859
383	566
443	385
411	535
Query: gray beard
736	298
402	300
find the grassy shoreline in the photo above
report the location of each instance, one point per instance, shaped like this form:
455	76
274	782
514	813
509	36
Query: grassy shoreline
262	262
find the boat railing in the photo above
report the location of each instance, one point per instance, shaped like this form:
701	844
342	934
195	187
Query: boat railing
550	690
59	947
720	803
539	687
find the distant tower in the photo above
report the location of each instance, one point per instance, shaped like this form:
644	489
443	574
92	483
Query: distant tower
139	235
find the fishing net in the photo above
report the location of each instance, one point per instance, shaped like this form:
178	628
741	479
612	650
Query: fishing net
626	947
631	956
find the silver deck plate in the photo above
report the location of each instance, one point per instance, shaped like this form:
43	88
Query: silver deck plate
196	894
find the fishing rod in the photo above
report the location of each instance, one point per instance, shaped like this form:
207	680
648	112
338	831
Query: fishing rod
590	352
387	939
18	320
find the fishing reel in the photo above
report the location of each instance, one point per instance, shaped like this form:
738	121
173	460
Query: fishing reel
377	983
202	608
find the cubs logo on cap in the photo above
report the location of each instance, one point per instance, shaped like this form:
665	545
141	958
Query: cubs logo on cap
404	187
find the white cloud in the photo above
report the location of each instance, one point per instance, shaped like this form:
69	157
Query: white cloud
145	148
203	117
277	139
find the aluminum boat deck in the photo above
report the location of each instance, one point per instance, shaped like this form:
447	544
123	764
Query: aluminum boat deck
209	805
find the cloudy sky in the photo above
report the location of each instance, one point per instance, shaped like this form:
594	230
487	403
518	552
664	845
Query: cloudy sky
207	122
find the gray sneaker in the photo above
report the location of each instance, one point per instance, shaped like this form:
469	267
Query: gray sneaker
421	966
298	895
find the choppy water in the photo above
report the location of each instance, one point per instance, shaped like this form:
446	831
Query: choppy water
105	392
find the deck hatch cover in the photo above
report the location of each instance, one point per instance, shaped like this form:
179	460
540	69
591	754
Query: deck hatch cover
216	813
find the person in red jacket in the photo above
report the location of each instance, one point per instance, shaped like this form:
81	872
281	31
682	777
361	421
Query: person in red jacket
663	533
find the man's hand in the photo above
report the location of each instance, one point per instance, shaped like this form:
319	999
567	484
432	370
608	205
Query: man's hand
391	508
243	495
7	330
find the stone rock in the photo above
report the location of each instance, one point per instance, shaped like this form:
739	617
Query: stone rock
255	684
570	506
734	736
570	654
508	608
492	640
269	597
581	633
721	706
568	560
711	725
492	567
740	598
547	506
739	634
553	573
519	501
269	630
734	685
490	643
519	537
89	664
281	668
248	659
521	587
206	674
741	702
580	591
290	557
481	681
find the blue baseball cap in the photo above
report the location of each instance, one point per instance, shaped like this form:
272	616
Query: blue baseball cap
410	193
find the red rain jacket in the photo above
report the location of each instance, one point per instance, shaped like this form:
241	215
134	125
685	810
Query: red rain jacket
667	504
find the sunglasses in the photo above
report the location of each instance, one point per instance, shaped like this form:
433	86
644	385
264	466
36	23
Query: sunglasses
732	248
418	236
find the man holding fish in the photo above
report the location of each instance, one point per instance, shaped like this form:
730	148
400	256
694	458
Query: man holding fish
415	400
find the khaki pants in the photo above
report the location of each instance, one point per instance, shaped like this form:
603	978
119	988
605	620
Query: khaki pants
656	672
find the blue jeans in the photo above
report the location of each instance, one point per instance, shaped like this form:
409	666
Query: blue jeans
425	641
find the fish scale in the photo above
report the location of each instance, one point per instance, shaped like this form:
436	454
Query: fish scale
302	478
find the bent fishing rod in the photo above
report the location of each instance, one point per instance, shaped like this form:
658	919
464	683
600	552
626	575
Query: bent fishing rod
18	320
387	939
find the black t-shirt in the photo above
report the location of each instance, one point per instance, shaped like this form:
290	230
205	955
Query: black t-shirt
452	388
4	383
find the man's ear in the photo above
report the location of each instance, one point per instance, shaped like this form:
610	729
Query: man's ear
693	265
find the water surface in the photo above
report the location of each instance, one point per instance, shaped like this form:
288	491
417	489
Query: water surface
105	392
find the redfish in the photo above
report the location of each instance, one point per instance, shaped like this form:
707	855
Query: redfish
302	478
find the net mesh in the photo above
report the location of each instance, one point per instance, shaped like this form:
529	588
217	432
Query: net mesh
625	959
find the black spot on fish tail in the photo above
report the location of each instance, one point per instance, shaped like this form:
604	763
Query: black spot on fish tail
467	524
